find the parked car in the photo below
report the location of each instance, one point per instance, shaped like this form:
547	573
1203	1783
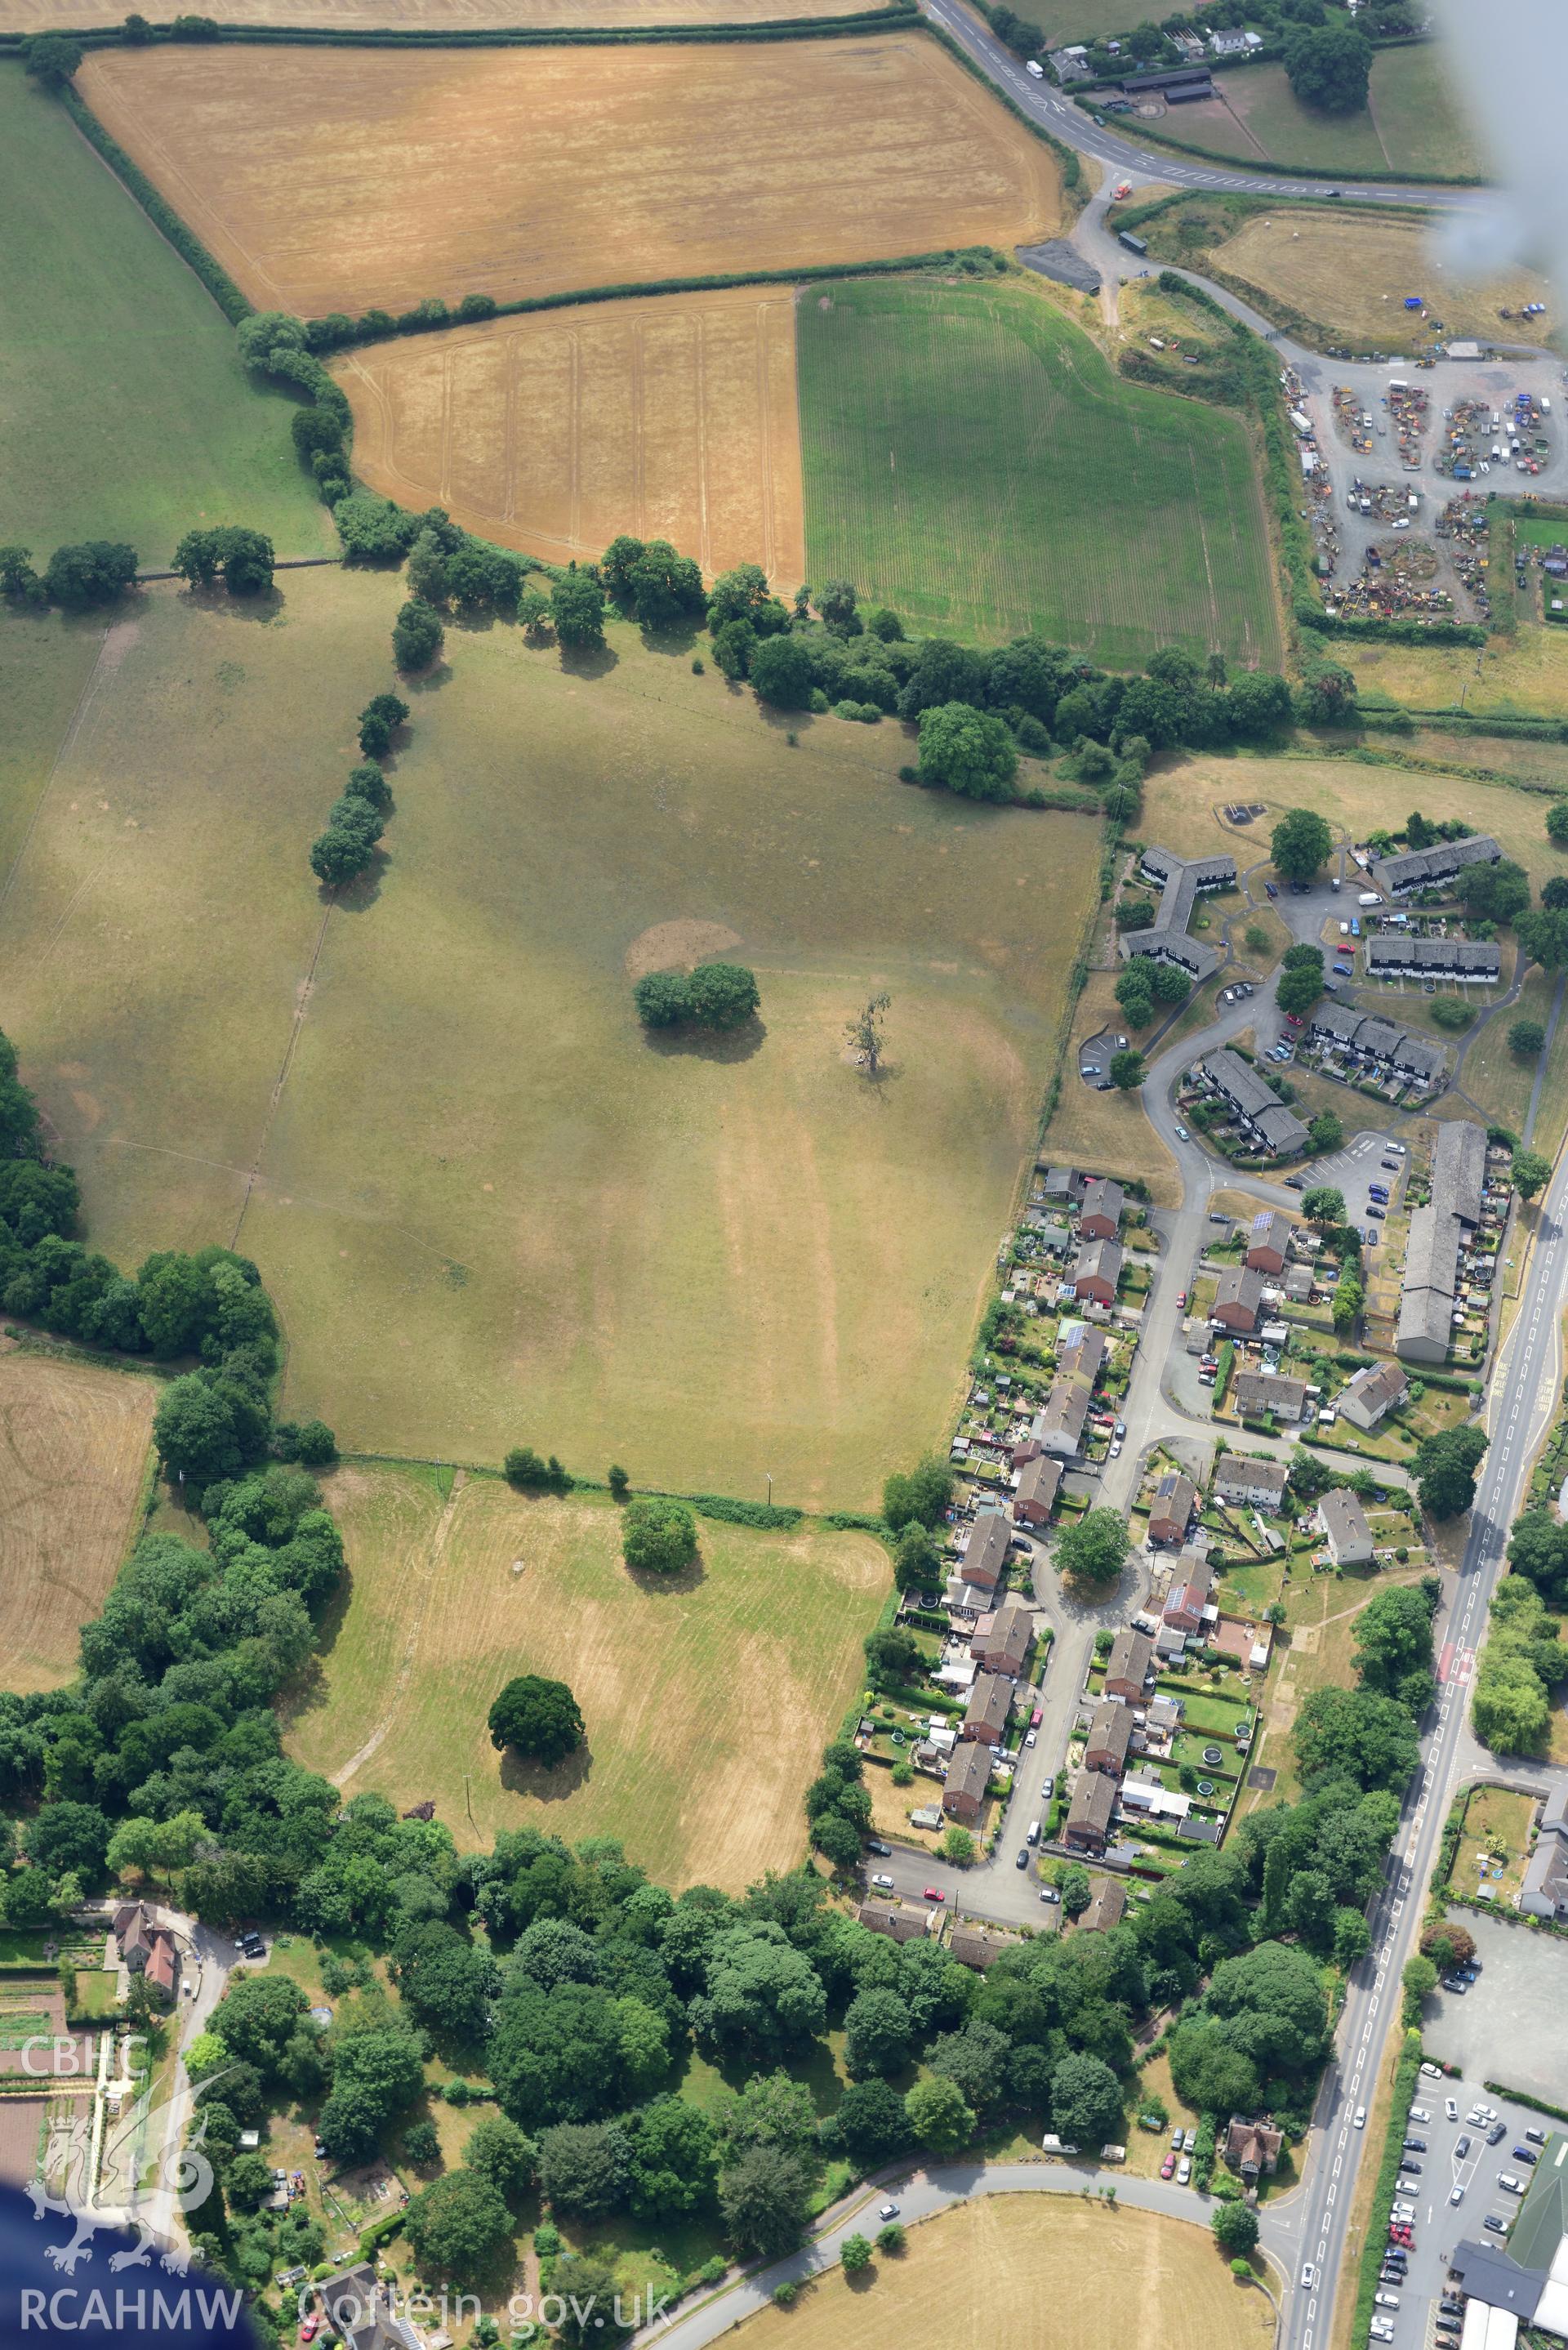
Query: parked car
1049	1893
1022	1859
1031	1737
1189	2141
886	2211
1420	2114
1511	2180
1536	2138
1184	2170
1499	2227
1526	2154
883	1851
1271	889
1462	2145
883	1883
1415	2146
1496	2135
1182	1135
1295	1182
1458	2196
1451	2110
1373	1210
1168	2167
933	1894
1392	1165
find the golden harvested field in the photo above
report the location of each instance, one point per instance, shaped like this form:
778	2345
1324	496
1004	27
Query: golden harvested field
673	416
327	179
706	1699
73	1450
1351	271
436	16
994	2270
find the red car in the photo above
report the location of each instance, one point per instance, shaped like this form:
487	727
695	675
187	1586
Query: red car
1035	1719
1293	1020
1168	2167
1181	1296
311	2326
932	1895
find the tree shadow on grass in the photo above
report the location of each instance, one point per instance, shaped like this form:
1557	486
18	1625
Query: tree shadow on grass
666	1586
216	597
428	680
677	638
547	1783
687	1042
307	1691
589	661
357	897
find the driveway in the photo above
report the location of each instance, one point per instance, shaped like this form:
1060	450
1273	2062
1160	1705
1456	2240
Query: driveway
1509	2027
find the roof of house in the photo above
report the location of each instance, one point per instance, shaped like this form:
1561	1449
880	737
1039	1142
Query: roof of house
1111	1728
1008	1633
1343	1519
987	1553
1066	1410
1242	1474
1253	1100
1101	1258
1270	1231
1248	2140
1238	1284
1103	1197
1084	1355
1174	1498
1192	1594
898	1925
1132	1653
990	1703
1546	1872
162	1961
1107	1909
1258	1391
1489	2275
1339	1022
1375	1386
1039	1479
1179	879
1296	1280
1420	868
1431	1275
972	1947
1093	1801
969	1768
1390	951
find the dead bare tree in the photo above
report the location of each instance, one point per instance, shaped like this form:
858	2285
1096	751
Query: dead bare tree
864	1033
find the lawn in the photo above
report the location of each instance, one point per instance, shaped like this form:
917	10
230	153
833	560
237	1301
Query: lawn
706	1699
1107	1132
124	413
73	1457
1496	1834
1411	123
323	178
490	1210
991	2270
675	417
971	459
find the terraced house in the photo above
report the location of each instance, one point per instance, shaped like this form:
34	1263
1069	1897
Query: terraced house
1181	881
1441	1235
1434	868
1268	1126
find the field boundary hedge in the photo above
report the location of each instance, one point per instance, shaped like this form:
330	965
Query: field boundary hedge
897	17
233	304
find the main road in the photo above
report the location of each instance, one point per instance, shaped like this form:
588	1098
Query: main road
1068	121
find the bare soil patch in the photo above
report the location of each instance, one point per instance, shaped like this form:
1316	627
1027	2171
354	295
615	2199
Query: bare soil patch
671	946
21	2125
338	179
73	1449
673	418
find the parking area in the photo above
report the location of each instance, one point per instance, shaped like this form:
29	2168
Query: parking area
1509	2027
1494	2141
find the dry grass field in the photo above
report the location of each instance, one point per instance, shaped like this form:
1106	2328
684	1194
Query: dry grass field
1351	271
489	1210
706	1699
73	1453
674	417
1107	1132
1412	122
1525	675
48	670
324	180
994	2270
436	16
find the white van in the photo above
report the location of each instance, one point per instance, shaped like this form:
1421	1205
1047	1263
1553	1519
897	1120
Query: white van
1368	898
1037	70
1033	1836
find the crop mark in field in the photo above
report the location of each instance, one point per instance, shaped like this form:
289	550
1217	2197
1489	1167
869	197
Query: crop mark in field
1203	542
301	1005
434	1551
121	634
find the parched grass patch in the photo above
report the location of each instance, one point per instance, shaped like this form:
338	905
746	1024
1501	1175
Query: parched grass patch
674	417
1108	1132
48	668
327	179
1496	1835
1412	123
1351	271
491	1211
970	458
1522	676
706	1698
983	2271
124	410
73	1454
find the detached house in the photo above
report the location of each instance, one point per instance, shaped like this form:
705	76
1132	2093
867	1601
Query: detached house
1170	1512
1101	1216
1545	1893
147	1949
1252	2148
1344	1527
1238	1297
1377	1388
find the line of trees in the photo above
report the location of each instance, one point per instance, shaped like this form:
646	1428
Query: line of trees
244	558
713	996
78	577
357	817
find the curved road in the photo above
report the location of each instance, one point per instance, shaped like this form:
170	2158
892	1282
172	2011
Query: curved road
1068	121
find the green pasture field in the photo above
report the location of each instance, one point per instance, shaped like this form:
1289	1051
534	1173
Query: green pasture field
490	1210
1412	123
47	664
706	1699
124	413
970	458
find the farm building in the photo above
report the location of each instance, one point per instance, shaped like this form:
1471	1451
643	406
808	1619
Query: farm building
1180	86
1439	1234
1431	868
1128	1667
969	1775
1268	1125
1257	1393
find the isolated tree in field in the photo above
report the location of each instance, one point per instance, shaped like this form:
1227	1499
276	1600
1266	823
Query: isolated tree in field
920	1496
1135	994
577	610
1095	1550
618	1482
866	1032
854	2254
1527	1170
1300	845
19	583
538	1718
967	750
1329	67
417	636
663	999
1526	1037
52	58
722	994
338	855
658	1536
1128	1071
96	572
1323	1206
378	723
